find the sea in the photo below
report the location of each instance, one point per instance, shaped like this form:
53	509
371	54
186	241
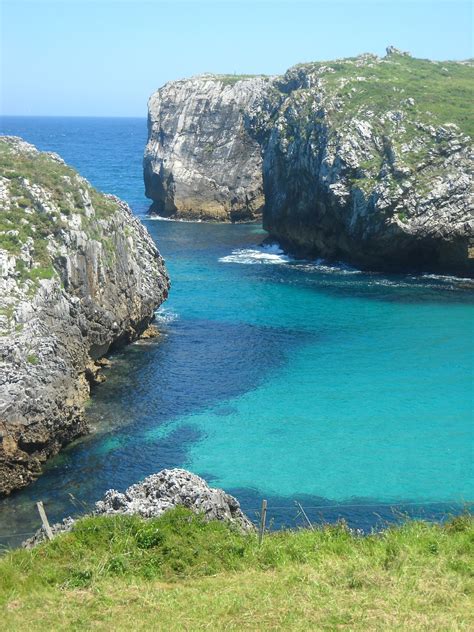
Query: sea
332	393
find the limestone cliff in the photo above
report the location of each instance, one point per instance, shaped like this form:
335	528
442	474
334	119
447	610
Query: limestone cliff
78	274
367	160
200	161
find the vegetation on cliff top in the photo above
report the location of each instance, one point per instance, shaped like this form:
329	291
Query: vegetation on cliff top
230	80
442	92
180	573
416	112
39	195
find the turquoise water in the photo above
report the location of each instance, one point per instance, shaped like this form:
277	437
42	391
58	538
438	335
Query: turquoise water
277	379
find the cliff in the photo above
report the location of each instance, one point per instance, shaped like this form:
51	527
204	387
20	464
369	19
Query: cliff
78	275
200	161
366	160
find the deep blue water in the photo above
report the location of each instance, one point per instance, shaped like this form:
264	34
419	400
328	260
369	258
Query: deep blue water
349	392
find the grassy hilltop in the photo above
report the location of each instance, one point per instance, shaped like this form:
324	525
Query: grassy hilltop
178	572
442	91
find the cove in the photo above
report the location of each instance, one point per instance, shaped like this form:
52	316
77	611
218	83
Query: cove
273	378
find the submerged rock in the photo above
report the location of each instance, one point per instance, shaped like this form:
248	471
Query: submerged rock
367	160
79	274
158	493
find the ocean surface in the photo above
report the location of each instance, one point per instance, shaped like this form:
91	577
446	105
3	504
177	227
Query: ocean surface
295	381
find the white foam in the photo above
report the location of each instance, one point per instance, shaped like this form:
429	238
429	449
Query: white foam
164	315
271	254
160	218
321	265
448	279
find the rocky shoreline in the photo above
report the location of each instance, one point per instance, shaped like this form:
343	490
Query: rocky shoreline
79	276
367	160
157	494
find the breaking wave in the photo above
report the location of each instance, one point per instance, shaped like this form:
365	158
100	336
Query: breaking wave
160	218
273	254
165	316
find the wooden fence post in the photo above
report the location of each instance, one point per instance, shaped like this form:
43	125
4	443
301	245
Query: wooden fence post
44	520
263	518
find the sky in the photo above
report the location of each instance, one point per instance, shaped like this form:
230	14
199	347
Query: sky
106	57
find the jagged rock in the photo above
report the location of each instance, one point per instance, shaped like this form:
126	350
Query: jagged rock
151	331
355	165
78	275
158	493
392	50
40	536
169	488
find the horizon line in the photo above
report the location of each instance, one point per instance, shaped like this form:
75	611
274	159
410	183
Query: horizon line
115	116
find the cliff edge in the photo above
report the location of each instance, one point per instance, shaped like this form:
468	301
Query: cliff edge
200	161
368	160
78	275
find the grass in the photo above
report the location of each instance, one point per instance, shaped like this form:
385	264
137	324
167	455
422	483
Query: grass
181	573
442	91
425	95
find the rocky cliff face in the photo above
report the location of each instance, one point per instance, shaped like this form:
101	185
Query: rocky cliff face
78	274
358	168
367	160
200	161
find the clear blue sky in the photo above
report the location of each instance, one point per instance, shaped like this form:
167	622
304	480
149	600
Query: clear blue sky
105	57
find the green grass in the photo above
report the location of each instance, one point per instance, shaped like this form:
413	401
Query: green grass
181	573
425	93
443	89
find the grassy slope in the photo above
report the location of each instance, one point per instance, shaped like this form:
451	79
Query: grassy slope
179	573
427	93
442	91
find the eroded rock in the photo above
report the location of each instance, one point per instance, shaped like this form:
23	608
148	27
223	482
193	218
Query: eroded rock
200	161
171	488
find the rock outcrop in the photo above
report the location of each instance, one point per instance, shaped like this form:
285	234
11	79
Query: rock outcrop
79	274
171	488
159	493
367	160
200	161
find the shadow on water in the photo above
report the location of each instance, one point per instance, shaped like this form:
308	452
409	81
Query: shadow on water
212	244
193	365
365	515
337	282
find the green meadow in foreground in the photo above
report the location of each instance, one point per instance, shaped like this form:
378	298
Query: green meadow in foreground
181	573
